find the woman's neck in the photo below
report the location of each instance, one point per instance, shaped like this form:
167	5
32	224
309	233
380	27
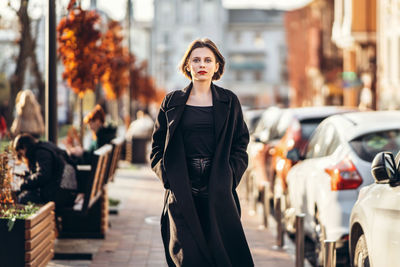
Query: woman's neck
201	88
200	94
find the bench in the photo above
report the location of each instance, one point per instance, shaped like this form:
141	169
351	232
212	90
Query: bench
31	240
89	216
117	144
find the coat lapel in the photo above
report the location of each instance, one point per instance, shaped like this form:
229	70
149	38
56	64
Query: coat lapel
220	108
174	111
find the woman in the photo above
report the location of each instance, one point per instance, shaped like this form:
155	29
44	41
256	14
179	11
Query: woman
50	177
199	153
29	118
101	135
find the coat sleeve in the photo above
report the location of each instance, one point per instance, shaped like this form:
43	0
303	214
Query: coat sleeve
158	144
238	158
43	174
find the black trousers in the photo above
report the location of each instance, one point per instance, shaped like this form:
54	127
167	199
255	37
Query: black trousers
199	173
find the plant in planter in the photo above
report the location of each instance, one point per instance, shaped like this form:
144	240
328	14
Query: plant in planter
27	231
6	196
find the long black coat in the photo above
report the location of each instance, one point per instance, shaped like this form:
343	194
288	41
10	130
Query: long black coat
184	242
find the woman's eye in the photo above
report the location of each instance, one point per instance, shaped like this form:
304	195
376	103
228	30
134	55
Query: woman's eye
208	60
196	60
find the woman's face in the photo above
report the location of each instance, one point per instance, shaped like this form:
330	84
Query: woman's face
202	64
95	125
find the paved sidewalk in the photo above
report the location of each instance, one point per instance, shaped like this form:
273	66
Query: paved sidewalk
134	237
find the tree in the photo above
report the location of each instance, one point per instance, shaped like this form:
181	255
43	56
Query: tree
142	86
80	52
27	47
115	78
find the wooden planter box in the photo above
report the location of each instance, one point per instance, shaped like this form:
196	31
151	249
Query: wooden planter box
31	241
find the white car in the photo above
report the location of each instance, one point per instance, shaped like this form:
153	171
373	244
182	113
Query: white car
375	219
326	184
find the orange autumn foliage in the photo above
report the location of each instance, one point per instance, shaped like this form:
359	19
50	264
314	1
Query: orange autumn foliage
142	86
116	75
79	50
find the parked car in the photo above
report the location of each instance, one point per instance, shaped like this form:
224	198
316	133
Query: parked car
337	164
261	142
299	124
374	220
252	117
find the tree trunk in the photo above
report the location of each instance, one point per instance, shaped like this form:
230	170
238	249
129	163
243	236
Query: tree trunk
39	81
27	46
18	78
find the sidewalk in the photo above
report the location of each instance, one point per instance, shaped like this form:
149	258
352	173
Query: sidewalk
134	237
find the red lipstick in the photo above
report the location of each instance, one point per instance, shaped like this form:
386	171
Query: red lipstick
202	72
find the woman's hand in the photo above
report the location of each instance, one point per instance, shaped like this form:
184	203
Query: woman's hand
75	151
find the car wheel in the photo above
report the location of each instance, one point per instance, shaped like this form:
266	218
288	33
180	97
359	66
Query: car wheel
361	258
319	242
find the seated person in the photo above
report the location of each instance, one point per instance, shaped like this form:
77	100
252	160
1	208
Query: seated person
101	135
51	177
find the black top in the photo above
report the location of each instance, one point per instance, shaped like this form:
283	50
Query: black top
198	131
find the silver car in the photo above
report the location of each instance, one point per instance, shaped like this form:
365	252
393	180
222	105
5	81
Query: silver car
374	220
326	184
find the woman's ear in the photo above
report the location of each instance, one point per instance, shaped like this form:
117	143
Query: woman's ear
216	67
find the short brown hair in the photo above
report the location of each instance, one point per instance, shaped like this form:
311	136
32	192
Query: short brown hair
96	114
204	42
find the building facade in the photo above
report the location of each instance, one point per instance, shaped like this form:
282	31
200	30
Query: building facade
252	41
175	25
354	31
388	54
314	61
256	56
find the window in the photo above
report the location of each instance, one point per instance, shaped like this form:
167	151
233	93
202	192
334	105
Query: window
238	37
239	76
367	146
258	40
324	142
257	75
166	38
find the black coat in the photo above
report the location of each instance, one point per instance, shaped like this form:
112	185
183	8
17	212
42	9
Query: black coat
184	242
46	166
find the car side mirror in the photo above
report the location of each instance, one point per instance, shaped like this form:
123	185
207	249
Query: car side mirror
294	155
383	168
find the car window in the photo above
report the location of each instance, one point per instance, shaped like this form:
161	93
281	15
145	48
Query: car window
268	120
324	142
283	124
313	146
332	141
367	146
308	127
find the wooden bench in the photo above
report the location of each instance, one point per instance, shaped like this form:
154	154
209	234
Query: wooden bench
89	216
117	144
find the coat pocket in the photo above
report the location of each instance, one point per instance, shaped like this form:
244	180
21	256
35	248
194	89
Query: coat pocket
174	209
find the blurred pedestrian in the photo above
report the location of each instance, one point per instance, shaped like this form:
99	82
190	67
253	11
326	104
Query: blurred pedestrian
199	153
51	175
29	117
101	134
142	127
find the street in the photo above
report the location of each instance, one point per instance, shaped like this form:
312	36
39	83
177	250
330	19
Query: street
134	238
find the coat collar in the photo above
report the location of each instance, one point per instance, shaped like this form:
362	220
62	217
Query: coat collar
176	105
180	97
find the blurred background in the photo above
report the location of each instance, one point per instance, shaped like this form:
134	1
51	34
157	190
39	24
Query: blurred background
284	53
